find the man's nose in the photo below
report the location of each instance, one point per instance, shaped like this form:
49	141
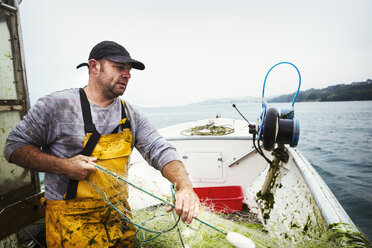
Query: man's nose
126	73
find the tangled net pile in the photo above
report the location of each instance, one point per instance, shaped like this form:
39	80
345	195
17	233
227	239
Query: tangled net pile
208	129
157	228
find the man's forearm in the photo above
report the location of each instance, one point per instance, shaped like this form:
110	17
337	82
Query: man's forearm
31	157
176	173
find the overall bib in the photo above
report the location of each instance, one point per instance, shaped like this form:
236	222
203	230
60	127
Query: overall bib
84	218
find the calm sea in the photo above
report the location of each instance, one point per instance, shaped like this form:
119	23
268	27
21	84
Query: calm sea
336	137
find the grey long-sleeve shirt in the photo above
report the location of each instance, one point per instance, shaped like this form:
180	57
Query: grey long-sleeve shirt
56	125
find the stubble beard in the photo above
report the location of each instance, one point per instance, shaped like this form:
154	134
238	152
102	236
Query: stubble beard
112	92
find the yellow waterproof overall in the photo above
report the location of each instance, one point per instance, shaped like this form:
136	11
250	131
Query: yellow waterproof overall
84	218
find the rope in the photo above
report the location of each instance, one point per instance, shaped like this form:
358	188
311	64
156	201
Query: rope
164	201
205	223
299	82
178	229
131	184
158	233
209	129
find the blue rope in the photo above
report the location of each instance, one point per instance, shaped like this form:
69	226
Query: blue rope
158	233
166	202
299	83
131	184
215	228
178	229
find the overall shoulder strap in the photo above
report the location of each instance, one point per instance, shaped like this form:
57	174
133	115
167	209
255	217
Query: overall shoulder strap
89	127
124	123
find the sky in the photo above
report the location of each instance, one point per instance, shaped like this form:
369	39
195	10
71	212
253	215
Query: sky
197	50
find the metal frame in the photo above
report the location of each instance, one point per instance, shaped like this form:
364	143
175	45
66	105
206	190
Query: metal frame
20	207
7	6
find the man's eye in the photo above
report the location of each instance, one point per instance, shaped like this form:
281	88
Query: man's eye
122	68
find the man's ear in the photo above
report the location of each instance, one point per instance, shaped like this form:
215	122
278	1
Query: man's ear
94	66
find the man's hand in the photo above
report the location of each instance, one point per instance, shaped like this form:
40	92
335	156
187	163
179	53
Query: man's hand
78	167
187	202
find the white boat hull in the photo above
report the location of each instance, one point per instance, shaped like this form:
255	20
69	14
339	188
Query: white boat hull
301	201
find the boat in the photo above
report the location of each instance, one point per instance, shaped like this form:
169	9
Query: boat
296	202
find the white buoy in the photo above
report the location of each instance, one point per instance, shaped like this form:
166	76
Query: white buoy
239	241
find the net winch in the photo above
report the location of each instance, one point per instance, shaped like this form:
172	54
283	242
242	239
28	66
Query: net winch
278	126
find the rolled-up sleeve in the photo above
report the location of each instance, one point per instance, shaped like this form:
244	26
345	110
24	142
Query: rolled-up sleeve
38	127
154	148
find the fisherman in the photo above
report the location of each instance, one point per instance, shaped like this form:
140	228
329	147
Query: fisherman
67	133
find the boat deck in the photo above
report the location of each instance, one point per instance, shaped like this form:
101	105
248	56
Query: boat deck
242	216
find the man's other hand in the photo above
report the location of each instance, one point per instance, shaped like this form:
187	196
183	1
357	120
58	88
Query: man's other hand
79	167
187	204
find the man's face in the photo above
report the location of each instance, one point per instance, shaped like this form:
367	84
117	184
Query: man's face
113	78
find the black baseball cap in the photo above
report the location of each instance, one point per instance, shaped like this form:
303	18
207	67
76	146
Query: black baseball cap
112	51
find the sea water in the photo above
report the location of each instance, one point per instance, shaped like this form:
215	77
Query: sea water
336	137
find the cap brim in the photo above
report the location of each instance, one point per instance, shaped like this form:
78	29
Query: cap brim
122	59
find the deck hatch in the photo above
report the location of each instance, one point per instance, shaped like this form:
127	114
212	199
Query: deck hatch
204	166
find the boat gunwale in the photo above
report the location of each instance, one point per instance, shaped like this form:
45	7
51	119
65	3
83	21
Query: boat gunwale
330	207
209	137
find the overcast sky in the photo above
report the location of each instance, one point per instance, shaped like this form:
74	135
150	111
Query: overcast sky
196	50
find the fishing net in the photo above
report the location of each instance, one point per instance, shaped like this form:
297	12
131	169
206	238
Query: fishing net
157	228
209	129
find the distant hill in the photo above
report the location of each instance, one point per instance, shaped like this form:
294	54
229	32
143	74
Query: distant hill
230	100
357	91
